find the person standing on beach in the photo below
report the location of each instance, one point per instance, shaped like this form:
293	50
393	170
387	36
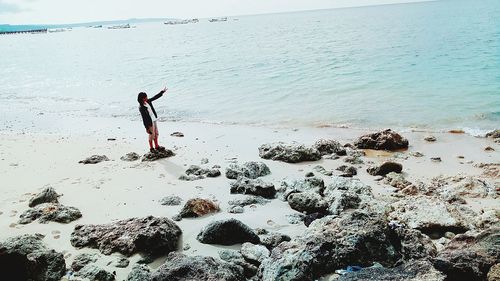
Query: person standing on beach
149	118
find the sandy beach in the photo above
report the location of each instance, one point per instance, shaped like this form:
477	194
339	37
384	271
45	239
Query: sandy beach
114	190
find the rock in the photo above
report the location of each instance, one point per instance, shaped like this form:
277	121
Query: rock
490	218
50	212
184	268
346	193
420	270
470	256
349	171
430	138
227	232
417	154
204	161
322	170
493	134
396	180
171	200
429	215
198	171
436	159
494	273
157	155
307	202
354	160
251	170
290	153
331	243
121	263
236	258
190	177
177	134
149	235
236	210
48	195
326	147
313	184
489	148
309	174
82	260
385	168
257	187
92	272
273	239
312	217
130	157
248	200
94	159
383	140
27	258
295	218
198	207
469	186
139	273
254	253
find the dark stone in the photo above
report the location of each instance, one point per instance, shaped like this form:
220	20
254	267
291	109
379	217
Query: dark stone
251	170
320	169
326	147
148	235
420	270
383	140
50	212
27	258
139	273
385	168
121	263
227	232
179	267
82	260
312	217
349	171
177	134
93	272
236	258
157	154
94	159
493	134
273	239
48	195
131	156
253	187
470	257
307	202
195	172
290	153
198	207
310	184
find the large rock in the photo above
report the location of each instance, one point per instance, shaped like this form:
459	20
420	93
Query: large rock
27	258
195	172
247	200
470	256
311	184
330	243
130	157
171	200
251	170
273	239
254	253
346	193
290	153
93	272
94	159
257	187
82	260
198	207
236	258
48	195
157	155
420	270
430	215
179	267
227	232
139	272
50	212
326	147
385	168
307	202
150	235
383	140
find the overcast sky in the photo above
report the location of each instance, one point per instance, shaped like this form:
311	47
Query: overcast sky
72	11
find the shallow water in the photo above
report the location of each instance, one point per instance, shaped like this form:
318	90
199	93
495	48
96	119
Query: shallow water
431	65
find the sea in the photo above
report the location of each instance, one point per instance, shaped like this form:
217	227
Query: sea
429	65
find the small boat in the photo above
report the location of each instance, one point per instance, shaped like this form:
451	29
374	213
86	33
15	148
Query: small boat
123	26
218	19
174	22
97	26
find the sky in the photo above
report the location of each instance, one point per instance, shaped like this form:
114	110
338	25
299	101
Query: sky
75	11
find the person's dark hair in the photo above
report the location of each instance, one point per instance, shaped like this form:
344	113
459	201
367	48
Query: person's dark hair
140	98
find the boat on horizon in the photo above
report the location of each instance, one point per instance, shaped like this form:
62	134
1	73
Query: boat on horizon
175	22
218	19
122	26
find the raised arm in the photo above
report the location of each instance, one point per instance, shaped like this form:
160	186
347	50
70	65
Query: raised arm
157	96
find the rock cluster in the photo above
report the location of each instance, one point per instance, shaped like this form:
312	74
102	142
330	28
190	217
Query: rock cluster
157	155
290	153
251	170
94	159
50	212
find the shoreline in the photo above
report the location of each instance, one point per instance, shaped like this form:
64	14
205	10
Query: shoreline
114	190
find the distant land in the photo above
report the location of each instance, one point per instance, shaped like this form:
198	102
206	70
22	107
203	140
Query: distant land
10	28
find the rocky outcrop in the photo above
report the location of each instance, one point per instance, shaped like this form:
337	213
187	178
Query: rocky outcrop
320	169
346	193
383	140
27	258
227	232
326	147
50	212
48	195
312	184
467	186
290	153
172	200
396	180
149	235
236	258
257	187
157	155
254	253
130	157
385	168
348	171
184	268
273	239
420	270
307	202
195	172
94	159
198	207
82	260
139	272
494	134
251	170
93	272
470	256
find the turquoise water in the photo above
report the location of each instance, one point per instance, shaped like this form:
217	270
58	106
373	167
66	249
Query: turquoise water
429	65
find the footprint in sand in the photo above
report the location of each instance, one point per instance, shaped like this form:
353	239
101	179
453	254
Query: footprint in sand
57	236
271	223
54	232
12	225
1	213
13	214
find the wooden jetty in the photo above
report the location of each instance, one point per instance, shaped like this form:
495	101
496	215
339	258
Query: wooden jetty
31	31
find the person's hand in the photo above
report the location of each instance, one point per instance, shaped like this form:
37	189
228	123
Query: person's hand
164	89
